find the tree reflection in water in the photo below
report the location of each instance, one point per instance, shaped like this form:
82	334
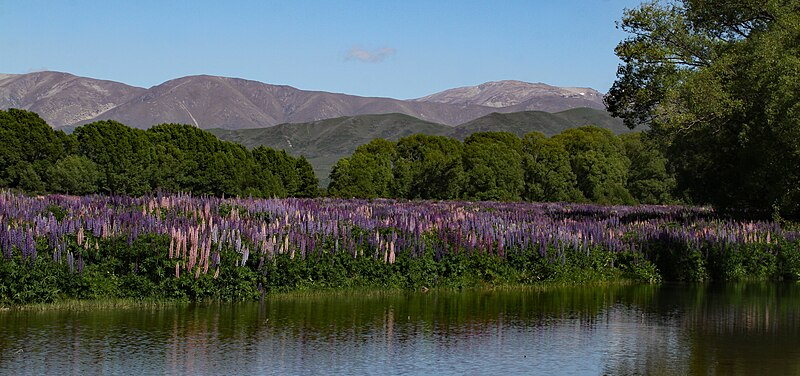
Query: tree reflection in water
669	329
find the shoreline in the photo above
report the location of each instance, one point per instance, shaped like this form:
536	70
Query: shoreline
323	293
80	305
195	249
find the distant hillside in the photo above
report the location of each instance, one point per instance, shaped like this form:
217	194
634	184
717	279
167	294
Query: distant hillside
521	123
325	142
232	103
520	96
66	101
62	99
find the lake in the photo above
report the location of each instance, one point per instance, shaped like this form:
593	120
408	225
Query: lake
750	328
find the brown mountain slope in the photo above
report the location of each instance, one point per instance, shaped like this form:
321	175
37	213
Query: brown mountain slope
66	101
232	103
61	98
521	96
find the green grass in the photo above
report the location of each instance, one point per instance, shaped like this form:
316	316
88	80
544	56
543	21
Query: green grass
95	304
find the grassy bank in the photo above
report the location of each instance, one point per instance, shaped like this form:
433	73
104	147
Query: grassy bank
137	272
181	248
123	274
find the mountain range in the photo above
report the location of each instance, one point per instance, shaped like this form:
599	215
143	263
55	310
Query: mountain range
67	101
322	126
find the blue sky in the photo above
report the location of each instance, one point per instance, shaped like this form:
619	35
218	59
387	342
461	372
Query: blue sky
400	49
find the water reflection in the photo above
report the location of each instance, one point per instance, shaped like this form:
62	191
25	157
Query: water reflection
671	329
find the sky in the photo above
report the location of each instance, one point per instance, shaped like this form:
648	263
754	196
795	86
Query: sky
400	49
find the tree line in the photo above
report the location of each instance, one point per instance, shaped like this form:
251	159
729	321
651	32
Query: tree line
111	158
587	164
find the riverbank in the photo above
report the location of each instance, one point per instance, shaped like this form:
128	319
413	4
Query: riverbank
127	273
79	305
118	274
199	249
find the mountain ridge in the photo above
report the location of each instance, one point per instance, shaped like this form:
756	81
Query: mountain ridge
206	101
522	96
63	99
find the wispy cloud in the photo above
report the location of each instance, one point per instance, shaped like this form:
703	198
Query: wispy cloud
374	56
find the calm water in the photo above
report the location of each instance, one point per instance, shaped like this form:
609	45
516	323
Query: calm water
742	329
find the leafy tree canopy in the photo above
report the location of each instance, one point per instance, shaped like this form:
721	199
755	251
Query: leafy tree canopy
493	166
28	147
429	167
599	163
718	82
548	173
109	157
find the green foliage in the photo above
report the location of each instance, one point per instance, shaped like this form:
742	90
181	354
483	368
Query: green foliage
749	262
493	166
282	167
28	179
41	282
599	163
718	82
362	176
143	270
548	174
649	182
122	154
74	174
58	212
428	167
366	174
185	157
28	147
788	259
678	261
324	142
309	184
109	157
581	164
638	269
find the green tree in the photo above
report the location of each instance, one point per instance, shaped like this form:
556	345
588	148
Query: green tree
28	147
383	155
367	173
353	177
548	174
493	166
123	156
191	159
282	166
236	171
648	179
28	179
428	167
718	83
74	174
309	184
171	171
180	151
598	160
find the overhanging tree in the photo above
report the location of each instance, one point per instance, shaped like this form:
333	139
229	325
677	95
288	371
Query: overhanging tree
718	83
